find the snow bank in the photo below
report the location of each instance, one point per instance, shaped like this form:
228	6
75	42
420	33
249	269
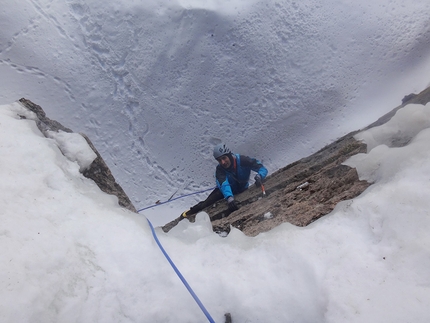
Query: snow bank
70	254
74	147
155	84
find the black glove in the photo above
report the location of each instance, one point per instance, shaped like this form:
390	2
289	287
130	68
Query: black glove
232	205
258	180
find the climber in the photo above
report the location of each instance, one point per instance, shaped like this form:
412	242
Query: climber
232	175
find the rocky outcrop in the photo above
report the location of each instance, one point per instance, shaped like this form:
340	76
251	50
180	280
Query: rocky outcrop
422	98
98	171
301	192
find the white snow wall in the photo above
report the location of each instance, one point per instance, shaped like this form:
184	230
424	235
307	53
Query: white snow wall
155	85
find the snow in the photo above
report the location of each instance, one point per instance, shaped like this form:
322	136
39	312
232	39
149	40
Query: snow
71	254
155	85
74	147
268	215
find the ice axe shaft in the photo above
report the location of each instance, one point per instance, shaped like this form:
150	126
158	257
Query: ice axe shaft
263	190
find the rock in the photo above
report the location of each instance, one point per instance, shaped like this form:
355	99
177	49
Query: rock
328	182
422	98
98	171
301	192
408	97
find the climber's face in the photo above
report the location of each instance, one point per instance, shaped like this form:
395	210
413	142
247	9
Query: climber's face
224	161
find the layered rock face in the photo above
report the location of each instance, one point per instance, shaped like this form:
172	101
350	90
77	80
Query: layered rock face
303	191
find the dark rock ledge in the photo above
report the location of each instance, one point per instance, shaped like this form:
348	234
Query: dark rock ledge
326	183
98	171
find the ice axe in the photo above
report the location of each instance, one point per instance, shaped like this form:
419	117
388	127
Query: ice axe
263	190
259	182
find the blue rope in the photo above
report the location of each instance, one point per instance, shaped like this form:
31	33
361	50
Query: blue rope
180	275
176	198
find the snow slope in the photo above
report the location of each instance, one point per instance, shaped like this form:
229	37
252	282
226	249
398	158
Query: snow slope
70	254
156	84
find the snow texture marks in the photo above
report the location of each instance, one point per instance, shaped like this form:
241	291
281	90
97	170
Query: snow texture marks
114	60
258	75
71	254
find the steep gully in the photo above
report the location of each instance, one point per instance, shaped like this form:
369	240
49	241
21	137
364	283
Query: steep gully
299	193
303	191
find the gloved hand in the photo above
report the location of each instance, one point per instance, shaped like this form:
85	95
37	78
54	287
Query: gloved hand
258	180
232	205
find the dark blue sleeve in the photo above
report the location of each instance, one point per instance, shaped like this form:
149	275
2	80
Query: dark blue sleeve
254	165
222	182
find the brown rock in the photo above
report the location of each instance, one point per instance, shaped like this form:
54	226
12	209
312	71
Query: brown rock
327	182
98	171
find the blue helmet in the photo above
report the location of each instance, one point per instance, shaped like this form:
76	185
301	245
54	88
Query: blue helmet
221	150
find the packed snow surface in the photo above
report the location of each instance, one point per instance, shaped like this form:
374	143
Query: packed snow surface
71	254
155	84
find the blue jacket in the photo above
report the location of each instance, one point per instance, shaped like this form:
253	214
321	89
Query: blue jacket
234	180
